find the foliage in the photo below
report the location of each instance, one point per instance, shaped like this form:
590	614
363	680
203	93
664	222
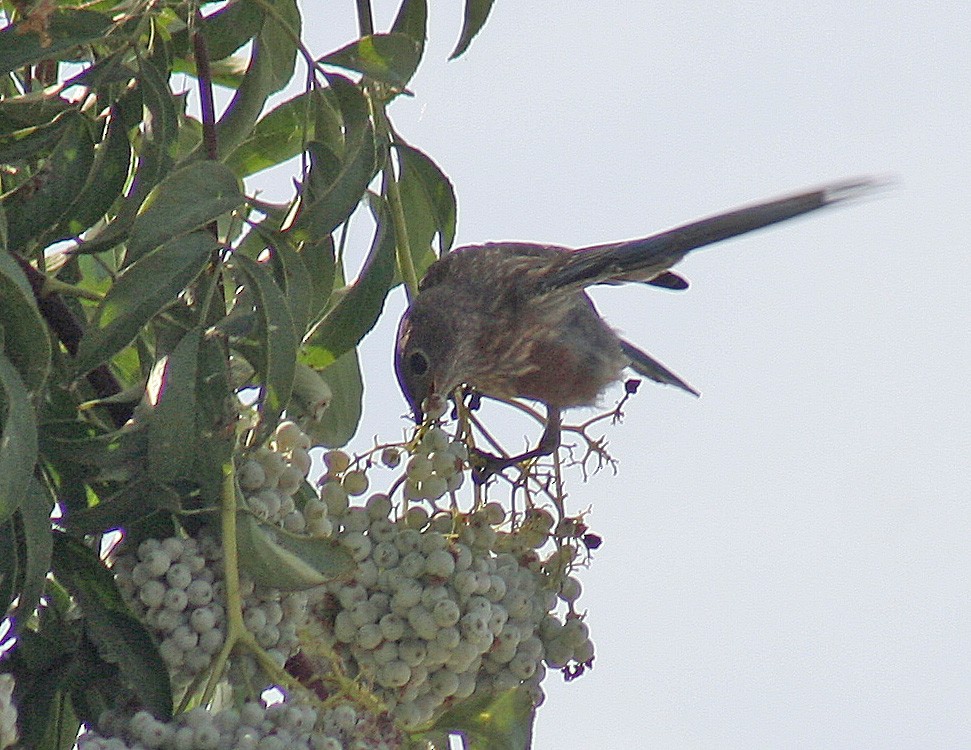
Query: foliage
158	321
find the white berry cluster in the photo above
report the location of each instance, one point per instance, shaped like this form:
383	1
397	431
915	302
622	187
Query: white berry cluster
271	476
436	466
288	725
175	586
8	712
436	611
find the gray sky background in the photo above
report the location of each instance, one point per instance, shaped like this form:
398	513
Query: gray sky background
786	559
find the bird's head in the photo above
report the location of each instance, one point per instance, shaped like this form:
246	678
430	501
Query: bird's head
425	359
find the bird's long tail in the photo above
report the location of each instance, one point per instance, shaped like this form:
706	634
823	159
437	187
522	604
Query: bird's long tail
643	259
644	364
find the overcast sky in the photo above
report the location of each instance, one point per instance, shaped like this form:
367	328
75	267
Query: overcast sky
786	559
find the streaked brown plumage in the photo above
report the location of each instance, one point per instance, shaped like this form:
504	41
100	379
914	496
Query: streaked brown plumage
512	319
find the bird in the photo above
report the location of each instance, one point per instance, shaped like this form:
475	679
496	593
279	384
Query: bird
513	319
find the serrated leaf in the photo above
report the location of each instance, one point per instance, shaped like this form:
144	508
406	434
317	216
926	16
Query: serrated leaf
288	562
172	429
35	514
278	341
339	423
360	306
142	291
502	721
118	634
388	58
476	13
23	333
23	43
18	438
186	200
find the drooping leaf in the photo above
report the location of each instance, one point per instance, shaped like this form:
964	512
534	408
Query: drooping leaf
286	561
339	423
31	39
23	333
277	346
142	290
172	429
318	256
347	322
329	206
476	13
388	58
121	639
18	438
105	181
35	514
270	68
186	200
292	276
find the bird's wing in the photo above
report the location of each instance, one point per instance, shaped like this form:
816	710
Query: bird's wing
644	364
643	259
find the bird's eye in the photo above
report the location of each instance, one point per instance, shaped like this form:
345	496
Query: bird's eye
418	363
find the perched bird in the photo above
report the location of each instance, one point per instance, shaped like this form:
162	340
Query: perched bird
512	319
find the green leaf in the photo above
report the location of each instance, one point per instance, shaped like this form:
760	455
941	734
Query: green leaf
276	559
502	721
215	416
32	142
360	306
388	58
230	27
330	206
318	256
278	341
37	204
18	438
172	428
121	639
270	68
35	513
280	135
105	181
292	276
23	333
186	200
429	206
339	423
22	43
476	13
412	19
142	291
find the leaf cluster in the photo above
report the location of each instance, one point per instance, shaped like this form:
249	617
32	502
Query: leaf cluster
156	318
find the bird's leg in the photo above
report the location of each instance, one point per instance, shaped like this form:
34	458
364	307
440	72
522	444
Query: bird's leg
549	441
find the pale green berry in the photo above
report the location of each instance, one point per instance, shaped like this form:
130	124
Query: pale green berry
419	468
334	497
378	505
391	457
355	482
336	462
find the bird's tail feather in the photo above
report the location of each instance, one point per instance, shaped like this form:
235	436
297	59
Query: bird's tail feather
643	259
644	364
